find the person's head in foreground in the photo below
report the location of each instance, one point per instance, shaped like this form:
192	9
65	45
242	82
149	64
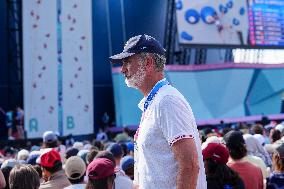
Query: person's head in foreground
75	169
218	174
101	174
236	144
50	163
50	139
24	177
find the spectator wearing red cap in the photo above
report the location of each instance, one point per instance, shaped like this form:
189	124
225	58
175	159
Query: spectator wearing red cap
250	174
101	174
54	176
218	174
121	181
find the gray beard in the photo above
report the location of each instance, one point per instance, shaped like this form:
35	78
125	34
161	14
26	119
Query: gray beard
137	79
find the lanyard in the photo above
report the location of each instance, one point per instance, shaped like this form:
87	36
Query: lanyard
154	92
149	100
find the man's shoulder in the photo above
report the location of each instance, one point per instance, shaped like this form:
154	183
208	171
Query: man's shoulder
169	93
169	90
171	96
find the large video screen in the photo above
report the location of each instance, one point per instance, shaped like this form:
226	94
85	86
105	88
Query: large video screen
246	23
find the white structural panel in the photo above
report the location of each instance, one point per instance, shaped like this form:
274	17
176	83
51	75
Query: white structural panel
77	67
57	46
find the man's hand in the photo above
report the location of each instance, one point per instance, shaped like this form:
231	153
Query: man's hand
185	153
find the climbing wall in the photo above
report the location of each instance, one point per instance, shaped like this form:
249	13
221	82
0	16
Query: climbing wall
57	44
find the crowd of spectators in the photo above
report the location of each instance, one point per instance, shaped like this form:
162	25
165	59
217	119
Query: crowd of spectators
236	156
244	156
73	165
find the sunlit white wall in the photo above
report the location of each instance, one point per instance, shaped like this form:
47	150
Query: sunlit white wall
258	56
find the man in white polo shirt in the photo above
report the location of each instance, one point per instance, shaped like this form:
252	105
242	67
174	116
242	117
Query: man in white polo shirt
168	150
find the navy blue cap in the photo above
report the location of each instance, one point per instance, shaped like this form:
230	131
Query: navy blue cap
130	146
127	162
139	44
32	159
115	149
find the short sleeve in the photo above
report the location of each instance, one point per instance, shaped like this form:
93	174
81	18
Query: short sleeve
176	119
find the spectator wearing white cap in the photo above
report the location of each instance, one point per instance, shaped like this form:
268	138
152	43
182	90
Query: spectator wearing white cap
83	155
50	139
75	169
78	145
23	155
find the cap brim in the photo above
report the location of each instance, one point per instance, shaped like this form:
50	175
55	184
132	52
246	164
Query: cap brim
118	57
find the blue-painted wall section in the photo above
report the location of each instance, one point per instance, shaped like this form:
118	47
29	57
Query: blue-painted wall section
212	94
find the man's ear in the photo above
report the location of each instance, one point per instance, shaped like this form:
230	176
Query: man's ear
150	63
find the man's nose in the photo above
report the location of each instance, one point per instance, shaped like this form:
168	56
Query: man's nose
123	69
